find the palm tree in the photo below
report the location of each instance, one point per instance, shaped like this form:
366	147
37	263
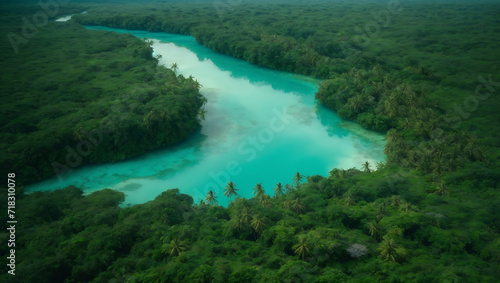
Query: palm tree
375	230
239	223
231	190
194	82
380	165
265	201
337	173
174	67
394	232
245	215
380	212
441	190
157	58
296	179
390	251
297	206
396	201
302	247
392	136
258	224
366	167
390	106
278	191
258	191
355	104
175	247
287	204
211	198
405	123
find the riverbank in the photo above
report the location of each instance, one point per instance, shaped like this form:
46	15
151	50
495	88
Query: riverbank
264	123
73	97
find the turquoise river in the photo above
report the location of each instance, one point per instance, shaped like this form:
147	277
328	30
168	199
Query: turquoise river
261	126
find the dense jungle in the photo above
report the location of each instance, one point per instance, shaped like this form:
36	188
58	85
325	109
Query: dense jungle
423	73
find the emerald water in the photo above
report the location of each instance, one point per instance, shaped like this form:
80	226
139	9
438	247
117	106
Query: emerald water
261	126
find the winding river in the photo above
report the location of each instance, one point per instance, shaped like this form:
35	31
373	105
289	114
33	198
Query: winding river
261	126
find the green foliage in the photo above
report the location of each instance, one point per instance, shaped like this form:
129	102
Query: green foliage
429	214
74	96
91	237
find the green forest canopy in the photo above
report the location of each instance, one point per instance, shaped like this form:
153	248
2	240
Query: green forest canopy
429	215
73	96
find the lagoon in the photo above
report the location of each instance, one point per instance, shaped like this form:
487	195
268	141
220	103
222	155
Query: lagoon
261	126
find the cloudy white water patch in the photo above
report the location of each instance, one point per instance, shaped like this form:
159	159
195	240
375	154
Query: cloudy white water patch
67	17
64	19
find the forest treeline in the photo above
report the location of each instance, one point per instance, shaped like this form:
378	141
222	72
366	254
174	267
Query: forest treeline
429	214
73	96
352	226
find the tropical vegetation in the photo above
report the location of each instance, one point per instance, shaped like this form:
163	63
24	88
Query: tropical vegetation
424	73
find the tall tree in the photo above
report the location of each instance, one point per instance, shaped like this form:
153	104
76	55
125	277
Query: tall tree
258	191
175	247
231	190
302	247
366	167
297	178
239	222
265	200
390	251
211	198
441	189
174	67
297	206
258	224
278	190
375	230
